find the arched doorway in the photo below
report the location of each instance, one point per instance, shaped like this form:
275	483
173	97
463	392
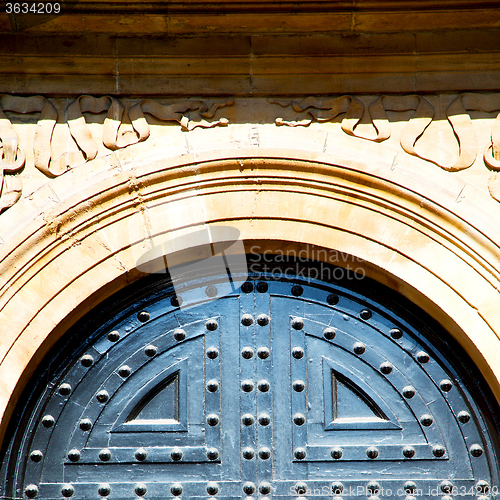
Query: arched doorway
297	383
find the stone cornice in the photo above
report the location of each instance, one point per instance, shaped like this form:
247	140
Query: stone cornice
306	64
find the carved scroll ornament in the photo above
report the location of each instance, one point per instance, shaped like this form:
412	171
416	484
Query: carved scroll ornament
460	121
12	156
113	139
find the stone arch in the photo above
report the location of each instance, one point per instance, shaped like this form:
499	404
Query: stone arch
76	240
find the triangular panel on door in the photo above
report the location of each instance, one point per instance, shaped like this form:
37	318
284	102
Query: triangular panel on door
160	405
350	403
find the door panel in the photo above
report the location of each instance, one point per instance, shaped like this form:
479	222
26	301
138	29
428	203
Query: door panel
279	389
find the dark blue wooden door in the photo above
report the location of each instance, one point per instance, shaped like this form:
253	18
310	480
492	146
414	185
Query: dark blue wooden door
279	390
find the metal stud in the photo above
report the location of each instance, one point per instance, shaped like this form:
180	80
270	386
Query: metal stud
264	453
249	488
446	486
396	333
410	497
104	489
297	323
212	386
212	352
102	396
143	316
408	452
410	487
48	421
247	287
176	489
426	420
298	386
212	453
211	325
463	417
262	287
299	419
176	301
247	419
105	455
67	490
438	451
124	371
301	487
31	490
85	424
211	291
87	360
422	357
365	314
265	488
212	488
212	420
140	489
482	487
141	454
372	452
359	348
298	352
263	385
448	497
264	419
179	334
150	351
476	450
386	367
300	453
36	456
332	299
336	453
408	392
262	319
329	333
247	353
248	453
373	487
247	386
337	488
176	454
74	455
263	352
445	385
114	336
246	320
297	290
64	389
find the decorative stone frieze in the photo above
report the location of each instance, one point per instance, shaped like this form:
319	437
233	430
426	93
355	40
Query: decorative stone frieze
50	136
